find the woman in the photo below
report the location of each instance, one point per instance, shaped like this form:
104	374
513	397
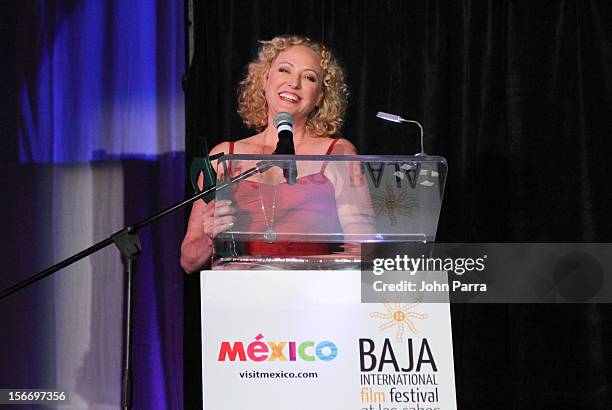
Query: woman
291	74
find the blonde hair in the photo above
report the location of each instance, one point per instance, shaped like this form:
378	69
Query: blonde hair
326	119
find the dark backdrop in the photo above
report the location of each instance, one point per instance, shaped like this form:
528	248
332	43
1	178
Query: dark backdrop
517	95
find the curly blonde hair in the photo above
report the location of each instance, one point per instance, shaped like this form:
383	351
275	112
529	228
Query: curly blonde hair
323	120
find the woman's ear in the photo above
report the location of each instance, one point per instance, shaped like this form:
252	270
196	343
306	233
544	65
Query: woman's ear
320	99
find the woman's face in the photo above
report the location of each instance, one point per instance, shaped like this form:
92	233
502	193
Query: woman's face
294	83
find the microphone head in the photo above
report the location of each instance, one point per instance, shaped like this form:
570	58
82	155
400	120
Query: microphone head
283	118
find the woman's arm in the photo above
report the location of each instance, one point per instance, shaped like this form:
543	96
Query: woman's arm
196	249
353	201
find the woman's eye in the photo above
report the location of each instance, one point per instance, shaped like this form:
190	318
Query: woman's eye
283	70
311	78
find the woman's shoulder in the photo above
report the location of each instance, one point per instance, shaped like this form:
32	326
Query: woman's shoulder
341	146
222	147
246	145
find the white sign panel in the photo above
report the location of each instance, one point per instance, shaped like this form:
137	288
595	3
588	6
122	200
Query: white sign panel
279	340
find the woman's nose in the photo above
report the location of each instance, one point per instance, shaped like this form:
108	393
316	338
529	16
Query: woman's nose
295	82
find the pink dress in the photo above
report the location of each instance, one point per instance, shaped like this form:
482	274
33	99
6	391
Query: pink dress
308	206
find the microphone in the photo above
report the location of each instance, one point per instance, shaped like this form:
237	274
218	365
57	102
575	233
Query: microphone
283	121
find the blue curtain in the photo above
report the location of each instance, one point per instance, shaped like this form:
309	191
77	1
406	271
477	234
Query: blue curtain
104	81
99	137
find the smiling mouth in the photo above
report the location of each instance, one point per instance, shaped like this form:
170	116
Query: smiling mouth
289	97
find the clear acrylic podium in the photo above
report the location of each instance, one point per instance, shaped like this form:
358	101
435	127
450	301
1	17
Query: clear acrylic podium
284	325
334	204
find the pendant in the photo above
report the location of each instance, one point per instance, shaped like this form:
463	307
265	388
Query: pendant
270	235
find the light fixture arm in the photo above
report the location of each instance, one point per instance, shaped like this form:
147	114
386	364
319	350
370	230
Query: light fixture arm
397	118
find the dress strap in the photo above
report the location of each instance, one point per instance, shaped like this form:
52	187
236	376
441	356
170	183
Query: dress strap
331	146
231	151
329	151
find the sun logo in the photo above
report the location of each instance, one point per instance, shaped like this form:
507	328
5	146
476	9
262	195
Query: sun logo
399	315
393	204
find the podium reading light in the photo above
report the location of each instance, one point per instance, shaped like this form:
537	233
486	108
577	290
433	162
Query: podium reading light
397	118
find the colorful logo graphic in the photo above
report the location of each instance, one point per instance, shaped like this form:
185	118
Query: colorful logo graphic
399	315
259	351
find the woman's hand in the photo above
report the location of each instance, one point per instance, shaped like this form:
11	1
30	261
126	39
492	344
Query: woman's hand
196	249
217	217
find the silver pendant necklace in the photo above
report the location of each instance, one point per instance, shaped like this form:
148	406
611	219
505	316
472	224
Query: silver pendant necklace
269	235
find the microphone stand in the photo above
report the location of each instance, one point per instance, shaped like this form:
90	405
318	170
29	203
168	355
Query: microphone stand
285	147
128	243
